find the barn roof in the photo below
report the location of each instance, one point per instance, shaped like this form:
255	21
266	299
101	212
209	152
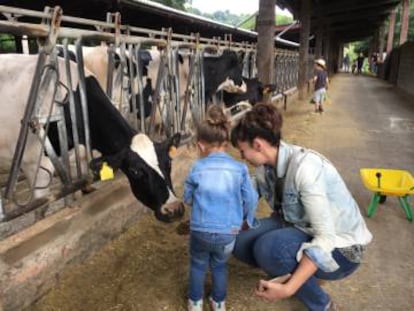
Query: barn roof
346	20
142	13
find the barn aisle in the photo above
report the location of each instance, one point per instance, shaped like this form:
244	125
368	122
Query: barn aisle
367	123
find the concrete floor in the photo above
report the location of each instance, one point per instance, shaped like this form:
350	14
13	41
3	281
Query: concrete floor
366	123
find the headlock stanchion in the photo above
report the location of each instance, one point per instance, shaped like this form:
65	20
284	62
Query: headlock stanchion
178	93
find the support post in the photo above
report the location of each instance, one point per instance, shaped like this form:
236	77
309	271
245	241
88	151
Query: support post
405	19
305	13
391	30
265	40
381	43
319	40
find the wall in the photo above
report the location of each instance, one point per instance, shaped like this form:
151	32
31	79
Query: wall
398	68
405	79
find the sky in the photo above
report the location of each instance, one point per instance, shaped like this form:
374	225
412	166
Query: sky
234	6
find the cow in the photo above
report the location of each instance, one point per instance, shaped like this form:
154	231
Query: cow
146	164
95	60
253	94
222	72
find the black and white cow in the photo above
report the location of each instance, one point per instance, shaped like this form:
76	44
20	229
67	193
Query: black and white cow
223	72
253	94
146	164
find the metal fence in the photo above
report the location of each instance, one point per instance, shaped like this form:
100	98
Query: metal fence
175	105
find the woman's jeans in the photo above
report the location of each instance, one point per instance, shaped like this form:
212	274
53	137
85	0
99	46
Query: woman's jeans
209	250
272	247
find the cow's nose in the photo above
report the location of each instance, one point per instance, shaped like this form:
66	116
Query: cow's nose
170	212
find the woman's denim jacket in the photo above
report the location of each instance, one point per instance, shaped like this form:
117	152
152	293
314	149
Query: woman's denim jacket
316	200
221	194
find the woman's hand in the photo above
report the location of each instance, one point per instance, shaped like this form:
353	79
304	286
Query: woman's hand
280	288
273	291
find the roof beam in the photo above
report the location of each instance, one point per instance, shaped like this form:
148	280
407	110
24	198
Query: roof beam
349	6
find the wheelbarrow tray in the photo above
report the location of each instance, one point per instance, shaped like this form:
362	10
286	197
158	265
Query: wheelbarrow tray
391	182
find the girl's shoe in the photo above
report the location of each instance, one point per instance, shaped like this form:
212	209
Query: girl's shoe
217	306
195	305
332	306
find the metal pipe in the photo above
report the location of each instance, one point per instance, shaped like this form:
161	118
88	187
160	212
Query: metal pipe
21	140
83	97
72	109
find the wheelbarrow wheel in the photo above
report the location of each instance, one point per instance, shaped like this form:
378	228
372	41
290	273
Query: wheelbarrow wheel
382	199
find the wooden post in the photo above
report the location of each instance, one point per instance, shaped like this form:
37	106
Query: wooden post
391	30
381	43
265	41
340	54
405	19
305	13
319	40
327	49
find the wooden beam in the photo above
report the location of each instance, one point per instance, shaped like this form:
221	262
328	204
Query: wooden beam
350	6
305	15
405	19
265	40
391	30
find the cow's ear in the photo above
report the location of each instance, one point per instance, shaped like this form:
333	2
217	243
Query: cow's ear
174	140
114	161
269	88
173	143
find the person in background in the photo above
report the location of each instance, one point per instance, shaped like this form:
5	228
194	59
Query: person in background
354	66
221	195
321	84
315	231
374	62
360	63
346	63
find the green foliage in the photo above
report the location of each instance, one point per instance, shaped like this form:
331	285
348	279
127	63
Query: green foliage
283	19
244	21
225	17
7	43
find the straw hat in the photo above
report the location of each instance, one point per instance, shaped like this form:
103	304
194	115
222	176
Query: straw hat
320	62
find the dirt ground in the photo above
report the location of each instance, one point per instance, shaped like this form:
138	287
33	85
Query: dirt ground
367	123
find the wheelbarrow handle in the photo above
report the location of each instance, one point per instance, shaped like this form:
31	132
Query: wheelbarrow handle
378	175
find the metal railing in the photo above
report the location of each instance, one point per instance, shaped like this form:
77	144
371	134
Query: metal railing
180	109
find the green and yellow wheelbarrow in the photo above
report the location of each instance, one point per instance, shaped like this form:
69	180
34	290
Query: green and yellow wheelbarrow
388	182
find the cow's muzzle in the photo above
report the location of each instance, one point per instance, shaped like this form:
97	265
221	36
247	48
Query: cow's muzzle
170	212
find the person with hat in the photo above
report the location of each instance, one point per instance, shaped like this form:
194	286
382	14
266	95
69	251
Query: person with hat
321	84
315	231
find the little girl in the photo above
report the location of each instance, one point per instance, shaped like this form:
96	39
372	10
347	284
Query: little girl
221	196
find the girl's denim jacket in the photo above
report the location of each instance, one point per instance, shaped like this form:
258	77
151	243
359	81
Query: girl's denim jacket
221	194
316	200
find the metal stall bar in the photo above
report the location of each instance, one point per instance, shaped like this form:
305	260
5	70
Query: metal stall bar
83	98
73	117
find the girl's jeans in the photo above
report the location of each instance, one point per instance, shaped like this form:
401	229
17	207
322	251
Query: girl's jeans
209	250
272	247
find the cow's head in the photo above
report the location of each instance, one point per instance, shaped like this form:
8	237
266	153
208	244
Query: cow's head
148	168
222	72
